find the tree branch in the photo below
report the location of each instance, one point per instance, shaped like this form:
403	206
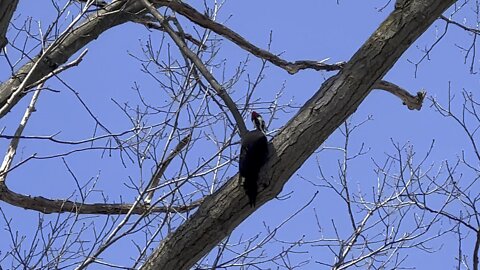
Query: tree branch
204	21
337	99
7	8
412	102
242	128
469	29
164	165
476	250
152	23
12	148
63	48
48	206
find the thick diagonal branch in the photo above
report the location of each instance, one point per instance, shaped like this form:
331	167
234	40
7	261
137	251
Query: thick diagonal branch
337	99
64	47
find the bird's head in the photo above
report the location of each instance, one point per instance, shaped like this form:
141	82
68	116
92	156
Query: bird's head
258	122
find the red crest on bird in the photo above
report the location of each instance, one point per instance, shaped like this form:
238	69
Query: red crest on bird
255	115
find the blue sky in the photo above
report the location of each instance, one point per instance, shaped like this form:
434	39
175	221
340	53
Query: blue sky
313	30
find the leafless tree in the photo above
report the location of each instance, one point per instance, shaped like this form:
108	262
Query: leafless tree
179	200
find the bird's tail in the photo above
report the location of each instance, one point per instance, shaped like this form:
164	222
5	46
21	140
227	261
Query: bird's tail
250	186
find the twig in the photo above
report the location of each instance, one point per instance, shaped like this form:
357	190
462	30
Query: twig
469	29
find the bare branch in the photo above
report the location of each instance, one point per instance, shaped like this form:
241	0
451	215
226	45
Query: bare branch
201	67
48	206
202	20
412	102
476	252
12	148
62	49
469	29
163	166
152	23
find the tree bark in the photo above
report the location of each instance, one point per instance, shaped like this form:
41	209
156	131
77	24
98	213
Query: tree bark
337	99
7	7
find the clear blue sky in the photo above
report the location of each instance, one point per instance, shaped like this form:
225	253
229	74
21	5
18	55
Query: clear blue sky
312	30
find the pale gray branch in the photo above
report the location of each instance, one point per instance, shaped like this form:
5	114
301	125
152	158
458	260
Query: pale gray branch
12	148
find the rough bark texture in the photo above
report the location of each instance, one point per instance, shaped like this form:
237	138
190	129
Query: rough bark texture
338	98
7	7
114	14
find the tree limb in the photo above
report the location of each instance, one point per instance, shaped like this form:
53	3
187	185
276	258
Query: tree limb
164	165
412	102
242	128
469	29
12	148
48	206
152	23
337	99
204	21
64	47
476	251
7	8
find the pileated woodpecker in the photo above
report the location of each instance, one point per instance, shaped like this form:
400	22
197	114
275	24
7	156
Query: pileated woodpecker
253	155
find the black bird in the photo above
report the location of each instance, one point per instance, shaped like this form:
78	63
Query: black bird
253	155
